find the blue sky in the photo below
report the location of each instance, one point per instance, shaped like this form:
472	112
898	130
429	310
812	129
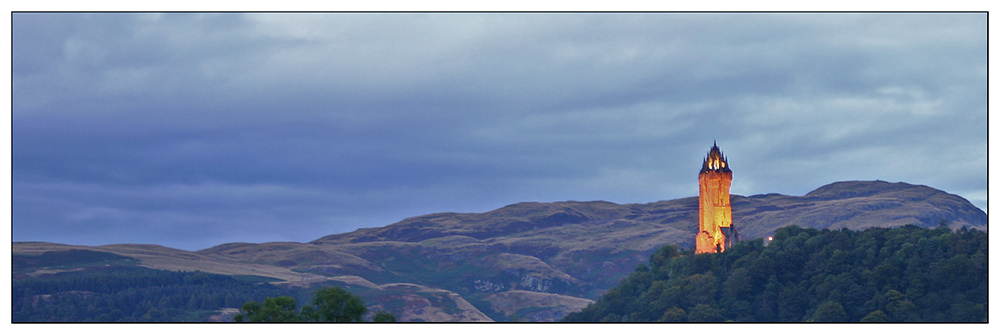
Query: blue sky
192	130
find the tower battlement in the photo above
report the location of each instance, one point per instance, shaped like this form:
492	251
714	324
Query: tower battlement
715	214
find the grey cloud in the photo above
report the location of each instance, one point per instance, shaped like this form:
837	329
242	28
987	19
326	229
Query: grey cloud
323	123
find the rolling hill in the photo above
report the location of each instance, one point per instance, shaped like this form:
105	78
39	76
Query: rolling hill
533	261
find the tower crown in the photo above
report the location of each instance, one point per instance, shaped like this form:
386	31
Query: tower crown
715	161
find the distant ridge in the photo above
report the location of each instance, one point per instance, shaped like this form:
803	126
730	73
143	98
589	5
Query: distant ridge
537	261
848	204
857	205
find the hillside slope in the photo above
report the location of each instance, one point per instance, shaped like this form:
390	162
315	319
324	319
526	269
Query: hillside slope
855	205
905	274
540	261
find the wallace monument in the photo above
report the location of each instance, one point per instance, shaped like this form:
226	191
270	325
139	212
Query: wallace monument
715	215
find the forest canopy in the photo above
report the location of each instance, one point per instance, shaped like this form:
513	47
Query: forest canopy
130	293
906	274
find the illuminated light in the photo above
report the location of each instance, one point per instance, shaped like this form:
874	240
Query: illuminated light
770	238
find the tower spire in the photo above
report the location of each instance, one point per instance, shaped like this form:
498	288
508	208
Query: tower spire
715	161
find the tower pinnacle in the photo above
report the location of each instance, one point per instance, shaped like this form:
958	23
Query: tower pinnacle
715	161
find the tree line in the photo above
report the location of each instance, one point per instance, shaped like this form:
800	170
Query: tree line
133	294
137	294
905	274
330	304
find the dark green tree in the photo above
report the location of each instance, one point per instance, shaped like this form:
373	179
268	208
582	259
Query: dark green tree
876	316
277	309
899	307
704	313
333	304
673	314
701	289
830	311
792	303
383	316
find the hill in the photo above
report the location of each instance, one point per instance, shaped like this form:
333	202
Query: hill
535	261
906	274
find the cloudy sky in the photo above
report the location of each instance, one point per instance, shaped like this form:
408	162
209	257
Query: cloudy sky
194	130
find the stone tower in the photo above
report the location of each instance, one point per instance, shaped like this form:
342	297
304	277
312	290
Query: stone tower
715	215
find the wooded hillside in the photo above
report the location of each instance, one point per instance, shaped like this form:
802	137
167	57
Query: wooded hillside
906	274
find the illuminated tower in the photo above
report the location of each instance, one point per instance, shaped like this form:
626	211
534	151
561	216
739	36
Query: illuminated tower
715	215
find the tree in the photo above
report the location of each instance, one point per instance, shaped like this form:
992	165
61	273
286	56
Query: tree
792	303
333	304
830	311
704	313
876	316
701	288
383	316
673	314
737	286
278	309
898	306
